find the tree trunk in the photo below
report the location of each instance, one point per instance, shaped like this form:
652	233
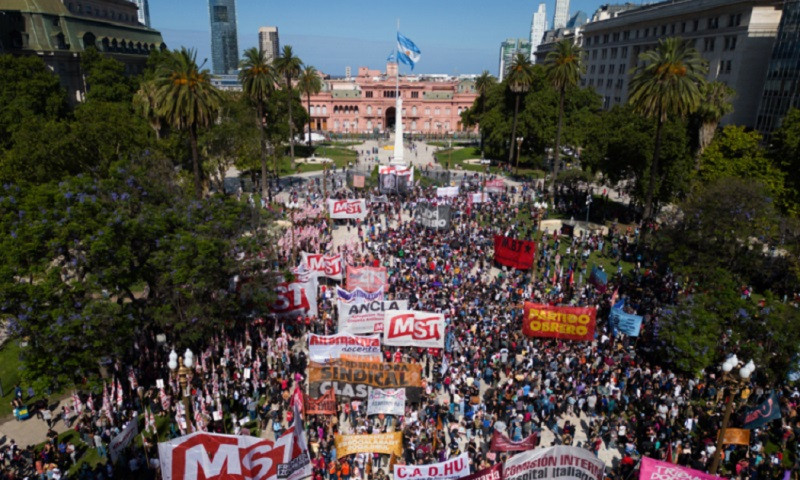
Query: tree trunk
308	99
265	190
557	149
198	183
651	189
704	138
291	124
480	124
513	131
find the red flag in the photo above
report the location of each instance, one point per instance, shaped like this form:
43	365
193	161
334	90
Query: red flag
571	277
501	443
514	253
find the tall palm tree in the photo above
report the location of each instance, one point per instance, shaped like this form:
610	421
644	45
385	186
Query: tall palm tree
716	104
144	103
667	84
289	66
186	100
309	84
483	83
258	81
520	78
564	67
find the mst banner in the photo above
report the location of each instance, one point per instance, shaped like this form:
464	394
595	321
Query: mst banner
410	328
386	443
448	470
560	461
433	216
324	265
389	401
369	279
324	348
207	456
652	469
501	443
566	323
353	379
347	209
366	317
295	299
324	405
513	253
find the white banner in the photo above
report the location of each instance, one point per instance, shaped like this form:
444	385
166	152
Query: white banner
448	470
216	456
389	401
479	197
295	299
410	328
343	209
324	265
447	191
324	348
358	295
397	170
560	461
118	443
366	317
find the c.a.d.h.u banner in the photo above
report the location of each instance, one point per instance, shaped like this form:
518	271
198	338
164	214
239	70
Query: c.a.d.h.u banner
566	323
513	253
451	469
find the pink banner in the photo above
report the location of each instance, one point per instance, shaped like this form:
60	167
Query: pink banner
657	470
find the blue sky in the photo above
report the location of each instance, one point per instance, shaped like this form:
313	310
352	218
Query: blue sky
455	36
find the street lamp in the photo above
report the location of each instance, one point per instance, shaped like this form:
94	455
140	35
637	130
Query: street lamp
588	205
734	385
182	368
519	147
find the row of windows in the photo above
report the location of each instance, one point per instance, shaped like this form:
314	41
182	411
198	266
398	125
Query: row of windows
346	110
390	94
104	13
354	125
709	45
711	23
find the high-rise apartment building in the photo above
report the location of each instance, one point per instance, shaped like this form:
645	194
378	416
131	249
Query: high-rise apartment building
144	12
508	50
735	37
268	42
224	44
538	27
561	14
782	85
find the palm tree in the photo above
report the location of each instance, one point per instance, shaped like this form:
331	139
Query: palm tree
309	84
186	100
144	103
564	67
483	83
716	104
520	78
668	83
258	81
289	66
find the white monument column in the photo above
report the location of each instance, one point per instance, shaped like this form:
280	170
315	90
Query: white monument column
399	158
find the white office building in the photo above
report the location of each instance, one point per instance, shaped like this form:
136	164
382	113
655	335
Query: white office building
561	14
538	27
268	42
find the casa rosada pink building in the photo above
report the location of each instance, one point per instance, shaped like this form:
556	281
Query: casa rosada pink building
366	103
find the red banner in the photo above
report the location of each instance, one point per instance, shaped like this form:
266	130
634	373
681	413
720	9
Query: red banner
501	443
324	405
491	473
369	279
514	253
566	323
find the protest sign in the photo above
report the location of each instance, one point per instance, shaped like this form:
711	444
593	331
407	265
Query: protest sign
448	470
566	323
295	299
736	436
366	317
389	401
123	439
432	216
501	443
446	191
494	186
561	461
513	253
492	473
385	443
358	181
352	379
410	328
369	279
358	295
626	323
651	469
324	348
395	179
323	265
347	209
324	405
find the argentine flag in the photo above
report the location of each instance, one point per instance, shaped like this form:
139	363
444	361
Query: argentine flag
407	52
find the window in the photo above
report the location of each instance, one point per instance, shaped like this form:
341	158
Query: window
727	68
88	10
621	69
696	25
369	94
591	82
663	29
626	35
619	83
683	27
735	20
436	112
609	82
591	69
427	111
730	43
616	37
604	53
646	33
324	109
220	13
708	44
427	125
594	54
614	52
713	23
602	69
605	38
414	94
414	108
588	41
379	110
672	29
336	125
447	111
404	111
369	109
413	125
624	52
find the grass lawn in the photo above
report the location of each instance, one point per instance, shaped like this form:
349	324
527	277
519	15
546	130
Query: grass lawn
341	156
457	157
9	374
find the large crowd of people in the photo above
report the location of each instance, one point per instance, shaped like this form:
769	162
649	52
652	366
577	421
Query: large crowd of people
609	395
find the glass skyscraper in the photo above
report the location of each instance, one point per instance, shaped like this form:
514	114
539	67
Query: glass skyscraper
224	45
782	85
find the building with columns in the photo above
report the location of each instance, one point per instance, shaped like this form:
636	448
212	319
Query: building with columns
366	103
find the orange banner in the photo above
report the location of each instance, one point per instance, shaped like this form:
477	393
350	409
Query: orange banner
324	405
352	379
736	436
566	323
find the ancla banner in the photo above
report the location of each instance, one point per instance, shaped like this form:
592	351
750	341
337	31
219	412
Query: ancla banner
448	470
324	265
769	410
410	328
324	405
366	317
324	348
389	401
369	279
566	323
432	216
492	473
513	253
501	443
561	461
385	443
626	323
651	469
207	456
295	299
347	209
118	443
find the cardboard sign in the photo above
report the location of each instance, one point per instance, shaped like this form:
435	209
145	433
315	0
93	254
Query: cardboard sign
626	323
358	181
366	317
410	328
325	348
566	323
353	379
347	209
386	443
448	470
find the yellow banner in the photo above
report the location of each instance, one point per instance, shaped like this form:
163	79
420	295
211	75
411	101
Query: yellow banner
736	436
386	443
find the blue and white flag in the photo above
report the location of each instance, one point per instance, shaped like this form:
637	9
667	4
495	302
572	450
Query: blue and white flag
626	323
390	58
407	52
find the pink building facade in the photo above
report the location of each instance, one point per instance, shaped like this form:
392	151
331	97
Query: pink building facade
366	103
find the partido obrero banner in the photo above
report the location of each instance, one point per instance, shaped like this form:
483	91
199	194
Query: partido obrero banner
386	443
366	317
410	328
566	323
324	265
325	348
354	379
514	253
448	470
560	461
432	216
388	401
347	209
